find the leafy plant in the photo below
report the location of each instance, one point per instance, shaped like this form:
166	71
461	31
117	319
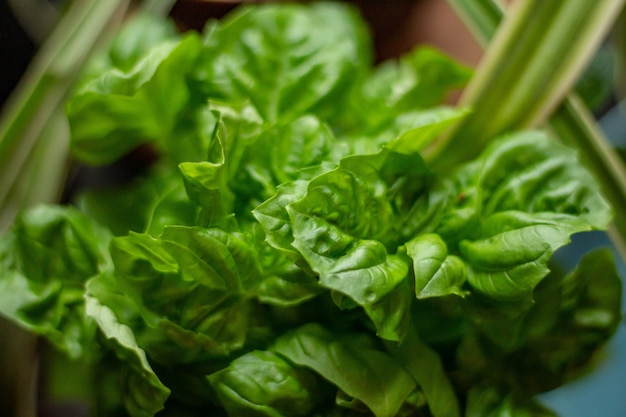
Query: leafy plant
291	252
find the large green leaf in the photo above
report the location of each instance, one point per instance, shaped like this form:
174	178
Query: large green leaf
353	363
277	58
45	259
510	254
189	288
418	80
512	207
112	114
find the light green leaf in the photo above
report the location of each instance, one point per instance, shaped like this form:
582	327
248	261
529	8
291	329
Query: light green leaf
528	171
287	149
112	114
45	260
276	58
510	254
436	272
273	215
417	129
418	80
512	207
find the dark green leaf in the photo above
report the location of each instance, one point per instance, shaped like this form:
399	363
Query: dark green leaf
261	383
489	402
426	367
191	287
353	362
143	394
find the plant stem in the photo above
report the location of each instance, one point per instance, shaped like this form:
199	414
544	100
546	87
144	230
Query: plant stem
571	122
531	64
41	92
33	151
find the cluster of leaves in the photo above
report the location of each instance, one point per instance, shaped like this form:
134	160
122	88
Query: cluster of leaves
291	253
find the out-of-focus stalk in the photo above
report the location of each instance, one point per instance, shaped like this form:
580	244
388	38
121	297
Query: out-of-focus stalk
531	64
40	94
33	154
570	121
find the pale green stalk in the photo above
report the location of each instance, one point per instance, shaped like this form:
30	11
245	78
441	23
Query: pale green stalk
33	154
571	122
35	102
574	124
531	64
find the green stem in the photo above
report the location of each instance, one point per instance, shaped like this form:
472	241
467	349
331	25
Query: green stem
43	90
534	59
571	122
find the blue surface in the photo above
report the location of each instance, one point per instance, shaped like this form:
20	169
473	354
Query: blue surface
602	393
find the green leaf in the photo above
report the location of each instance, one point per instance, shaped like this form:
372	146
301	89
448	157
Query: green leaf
534	348
143	394
345	223
45	259
530	172
490	402
513	206
351	198
112	114
273	215
163	202
137	36
285	150
418	129
425	365
361	270
276	58
353	363
509	256
284	284
190	287
436	273
206	182
589	313
419	80
261	383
